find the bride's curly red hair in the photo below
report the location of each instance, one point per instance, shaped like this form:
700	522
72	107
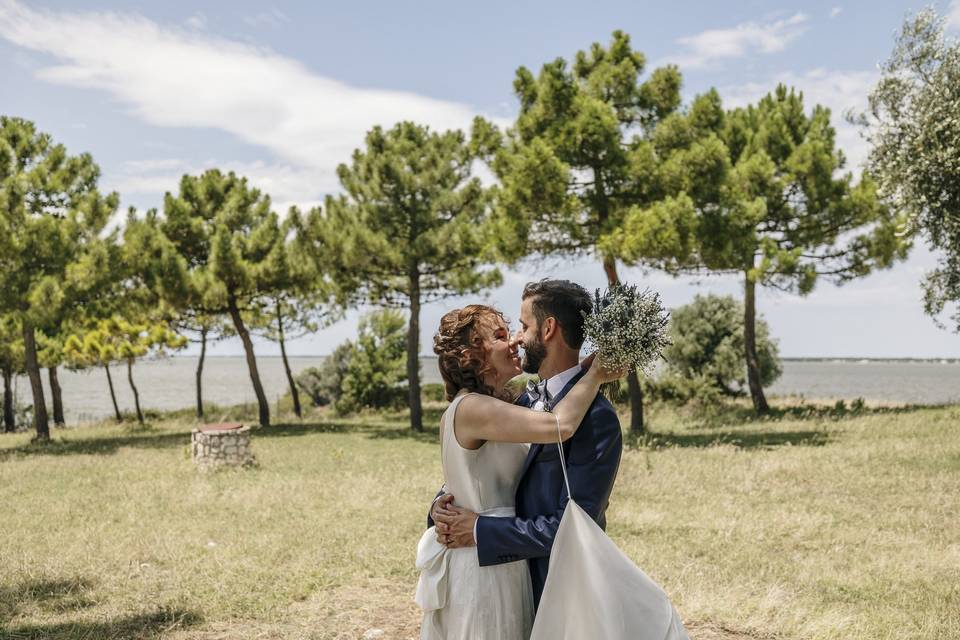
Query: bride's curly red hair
460	349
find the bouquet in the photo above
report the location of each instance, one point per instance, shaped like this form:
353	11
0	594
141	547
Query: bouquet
628	327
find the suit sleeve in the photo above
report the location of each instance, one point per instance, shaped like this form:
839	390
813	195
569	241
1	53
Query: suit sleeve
430	521
592	467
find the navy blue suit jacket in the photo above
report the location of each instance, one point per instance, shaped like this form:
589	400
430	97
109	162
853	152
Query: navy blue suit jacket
592	456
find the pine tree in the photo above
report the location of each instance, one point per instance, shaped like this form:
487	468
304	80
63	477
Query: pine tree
578	157
118	339
11	364
55	252
785	215
411	228
209	254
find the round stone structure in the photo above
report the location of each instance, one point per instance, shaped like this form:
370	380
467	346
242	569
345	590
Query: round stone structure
225	444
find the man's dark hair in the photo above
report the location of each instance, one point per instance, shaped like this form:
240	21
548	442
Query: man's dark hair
563	300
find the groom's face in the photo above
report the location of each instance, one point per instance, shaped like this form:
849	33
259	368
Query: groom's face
534	351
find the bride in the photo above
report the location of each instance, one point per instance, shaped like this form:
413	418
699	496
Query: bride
484	444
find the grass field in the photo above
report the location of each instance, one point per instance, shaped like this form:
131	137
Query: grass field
814	524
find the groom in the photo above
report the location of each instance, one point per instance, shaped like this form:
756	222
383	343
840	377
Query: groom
551	334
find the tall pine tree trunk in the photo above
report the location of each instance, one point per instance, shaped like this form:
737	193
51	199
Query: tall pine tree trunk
36	384
203	354
113	395
251	361
57	394
637	427
133	387
750	345
413	354
286	363
9	418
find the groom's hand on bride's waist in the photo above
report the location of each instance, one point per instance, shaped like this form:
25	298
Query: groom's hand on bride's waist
455	526
441	506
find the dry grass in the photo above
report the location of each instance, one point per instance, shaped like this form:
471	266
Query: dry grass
814	524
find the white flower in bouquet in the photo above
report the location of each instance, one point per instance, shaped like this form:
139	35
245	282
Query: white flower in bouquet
628	327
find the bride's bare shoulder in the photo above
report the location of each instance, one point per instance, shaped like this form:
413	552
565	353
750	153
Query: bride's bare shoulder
481	407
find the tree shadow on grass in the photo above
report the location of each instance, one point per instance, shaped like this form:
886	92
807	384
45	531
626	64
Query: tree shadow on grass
141	626
100	446
754	439
372	426
56	595
371	429
731	414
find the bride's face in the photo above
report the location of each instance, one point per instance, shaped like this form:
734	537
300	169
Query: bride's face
502	353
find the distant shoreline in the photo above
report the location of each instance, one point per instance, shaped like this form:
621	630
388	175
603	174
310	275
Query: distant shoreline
855	359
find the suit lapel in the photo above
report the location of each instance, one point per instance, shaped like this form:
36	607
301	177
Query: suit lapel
535	449
523	400
566	389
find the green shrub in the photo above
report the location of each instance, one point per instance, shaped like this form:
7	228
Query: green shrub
707	359
376	371
324	384
433	392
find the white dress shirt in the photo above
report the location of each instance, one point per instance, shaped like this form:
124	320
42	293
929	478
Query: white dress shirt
556	384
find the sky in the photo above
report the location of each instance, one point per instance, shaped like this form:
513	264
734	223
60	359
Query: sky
283	92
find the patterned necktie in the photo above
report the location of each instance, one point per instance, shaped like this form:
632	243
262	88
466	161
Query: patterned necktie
537	391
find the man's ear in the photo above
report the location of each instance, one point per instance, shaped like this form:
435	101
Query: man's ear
548	329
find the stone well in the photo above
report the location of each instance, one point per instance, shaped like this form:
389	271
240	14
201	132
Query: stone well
221	445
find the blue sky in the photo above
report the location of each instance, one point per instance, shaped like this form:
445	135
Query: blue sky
283	92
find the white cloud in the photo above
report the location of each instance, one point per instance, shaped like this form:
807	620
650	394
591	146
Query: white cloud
836	11
713	45
838	90
197	21
953	15
273	18
173	77
286	184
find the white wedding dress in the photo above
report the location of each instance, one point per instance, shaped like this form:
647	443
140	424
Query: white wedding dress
460	599
593	589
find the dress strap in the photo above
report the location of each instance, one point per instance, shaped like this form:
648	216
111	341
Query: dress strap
448	416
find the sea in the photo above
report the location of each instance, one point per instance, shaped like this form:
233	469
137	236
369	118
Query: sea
168	383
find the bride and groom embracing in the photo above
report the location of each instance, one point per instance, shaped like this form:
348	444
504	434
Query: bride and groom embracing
515	505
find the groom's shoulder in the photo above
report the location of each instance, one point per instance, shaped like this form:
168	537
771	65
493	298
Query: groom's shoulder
602	413
599	435
602	404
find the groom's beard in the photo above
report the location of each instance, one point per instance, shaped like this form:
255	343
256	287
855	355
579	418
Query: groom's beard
534	353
